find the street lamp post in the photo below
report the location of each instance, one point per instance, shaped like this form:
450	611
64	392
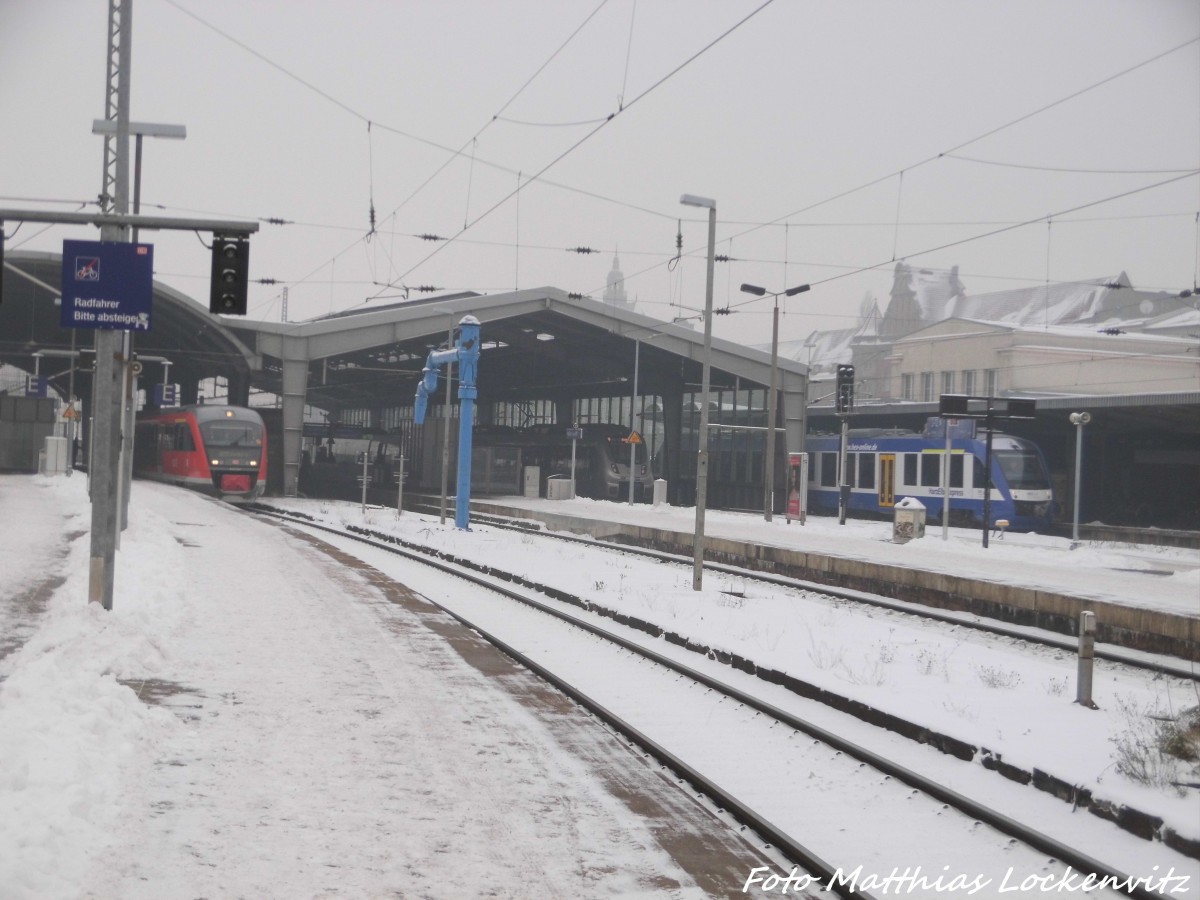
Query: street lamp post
702	441
1078	419
633	429
772	408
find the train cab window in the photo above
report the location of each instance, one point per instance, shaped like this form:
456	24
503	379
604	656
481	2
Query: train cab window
931	469
866	470
231	433
1023	471
829	463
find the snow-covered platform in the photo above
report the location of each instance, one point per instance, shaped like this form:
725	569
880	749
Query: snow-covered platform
257	717
1146	598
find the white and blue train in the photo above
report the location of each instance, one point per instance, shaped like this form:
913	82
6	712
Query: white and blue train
885	466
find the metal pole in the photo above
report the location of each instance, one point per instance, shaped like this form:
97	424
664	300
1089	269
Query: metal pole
987	477
946	486
365	454
637	348
1078	469
103	462
573	464
129	382
125	458
843	484
400	492
772	412
702	444
1087	653
72	431
446	428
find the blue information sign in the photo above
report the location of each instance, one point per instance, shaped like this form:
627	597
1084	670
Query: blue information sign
107	285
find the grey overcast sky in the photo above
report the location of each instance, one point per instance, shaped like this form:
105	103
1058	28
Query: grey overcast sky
834	136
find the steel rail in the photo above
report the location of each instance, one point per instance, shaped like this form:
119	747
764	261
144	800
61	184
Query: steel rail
965	620
1077	859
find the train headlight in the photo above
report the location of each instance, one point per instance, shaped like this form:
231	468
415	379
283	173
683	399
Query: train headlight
254	462
214	462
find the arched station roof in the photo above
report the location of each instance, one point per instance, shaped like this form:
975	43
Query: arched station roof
198	344
536	343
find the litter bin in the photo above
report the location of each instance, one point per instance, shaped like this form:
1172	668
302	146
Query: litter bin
909	522
55	458
660	491
558	487
533	481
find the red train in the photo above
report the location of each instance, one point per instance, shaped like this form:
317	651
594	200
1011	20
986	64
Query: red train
218	450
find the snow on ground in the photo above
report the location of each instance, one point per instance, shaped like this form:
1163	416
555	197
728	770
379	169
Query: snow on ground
988	691
304	778
1166	578
317	747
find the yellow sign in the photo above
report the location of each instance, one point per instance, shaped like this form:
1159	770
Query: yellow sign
634	438
70	413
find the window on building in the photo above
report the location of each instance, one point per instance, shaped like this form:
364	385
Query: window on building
968	382
947	382
906	386
989	382
927	386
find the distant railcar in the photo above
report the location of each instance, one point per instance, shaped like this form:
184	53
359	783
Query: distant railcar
217	450
886	466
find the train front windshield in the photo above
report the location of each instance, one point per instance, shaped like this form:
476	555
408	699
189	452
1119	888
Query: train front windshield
1023	470
231	433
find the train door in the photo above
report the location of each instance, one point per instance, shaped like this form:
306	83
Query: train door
887	480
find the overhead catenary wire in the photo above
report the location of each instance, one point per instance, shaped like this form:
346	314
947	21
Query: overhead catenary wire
995	231
990	132
628	55
951	151
581	141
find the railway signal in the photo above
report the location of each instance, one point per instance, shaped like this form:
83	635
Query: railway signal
230	275
845	388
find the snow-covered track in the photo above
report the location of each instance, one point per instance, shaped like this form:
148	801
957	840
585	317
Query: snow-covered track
1147	662
489	578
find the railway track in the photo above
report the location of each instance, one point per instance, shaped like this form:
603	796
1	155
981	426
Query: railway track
1142	661
885	777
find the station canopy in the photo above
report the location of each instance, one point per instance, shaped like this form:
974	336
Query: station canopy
537	343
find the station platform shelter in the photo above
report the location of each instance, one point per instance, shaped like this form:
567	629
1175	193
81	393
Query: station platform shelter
555	359
548	358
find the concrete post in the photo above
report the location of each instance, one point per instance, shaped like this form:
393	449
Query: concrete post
1087	653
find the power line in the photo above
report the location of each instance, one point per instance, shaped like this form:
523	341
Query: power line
573	147
988	133
1078	171
997	231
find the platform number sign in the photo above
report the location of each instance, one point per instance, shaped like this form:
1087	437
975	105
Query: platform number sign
107	285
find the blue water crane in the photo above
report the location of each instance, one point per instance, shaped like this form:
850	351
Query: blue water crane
465	352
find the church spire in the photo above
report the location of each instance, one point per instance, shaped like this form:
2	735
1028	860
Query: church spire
614	287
